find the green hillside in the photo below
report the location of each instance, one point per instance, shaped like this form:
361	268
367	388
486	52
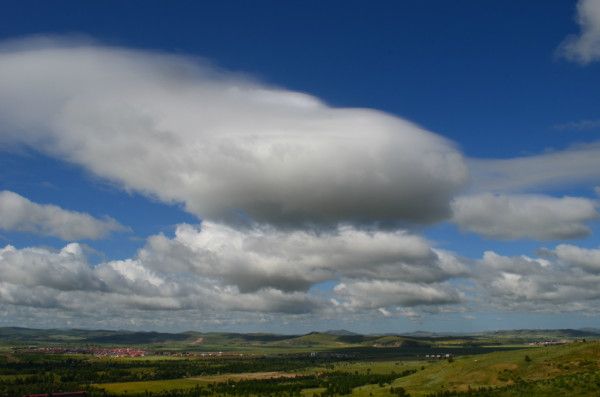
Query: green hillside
501	369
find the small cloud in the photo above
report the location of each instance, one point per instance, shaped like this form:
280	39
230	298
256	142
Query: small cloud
409	313
48	185
584	48
525	216
18	213
581	125
386	313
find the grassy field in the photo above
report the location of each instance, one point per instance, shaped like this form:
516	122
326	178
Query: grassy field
132	388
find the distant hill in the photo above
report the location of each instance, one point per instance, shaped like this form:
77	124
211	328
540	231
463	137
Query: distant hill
340	332
130	338
333	339
540	334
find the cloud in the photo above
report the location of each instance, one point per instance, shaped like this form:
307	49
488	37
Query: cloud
524	216
377	294
564	279
17	213
585	47
581	125
224	145
294	260
64	270
577	164
585	259
64	279
215	268
401	312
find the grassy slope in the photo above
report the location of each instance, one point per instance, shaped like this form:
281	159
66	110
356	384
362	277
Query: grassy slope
504	368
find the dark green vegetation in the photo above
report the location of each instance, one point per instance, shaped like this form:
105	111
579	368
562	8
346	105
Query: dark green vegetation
317	364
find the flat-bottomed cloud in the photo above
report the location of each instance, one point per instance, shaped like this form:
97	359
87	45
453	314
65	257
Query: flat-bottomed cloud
225	146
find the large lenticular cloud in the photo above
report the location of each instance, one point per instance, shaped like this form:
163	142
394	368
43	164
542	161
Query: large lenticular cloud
224	146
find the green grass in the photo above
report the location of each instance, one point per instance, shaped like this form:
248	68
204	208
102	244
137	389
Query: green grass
378	367
503	368
153	386
186	383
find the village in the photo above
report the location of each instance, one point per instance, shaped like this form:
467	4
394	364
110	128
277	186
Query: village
95	351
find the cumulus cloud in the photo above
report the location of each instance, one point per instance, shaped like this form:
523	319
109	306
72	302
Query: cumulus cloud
63	270
225	146
17	213
294	260
377	294
563	279
214	267
524	216
576	164
586	259
64	279
585	47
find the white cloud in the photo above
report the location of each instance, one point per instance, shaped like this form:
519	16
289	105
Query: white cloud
293	260
64	279
585	47
63	270
577	164
223	145
384	312
217	268
376	294
565	279
586	259
524	216
17	213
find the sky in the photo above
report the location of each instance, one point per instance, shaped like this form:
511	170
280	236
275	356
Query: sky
298	166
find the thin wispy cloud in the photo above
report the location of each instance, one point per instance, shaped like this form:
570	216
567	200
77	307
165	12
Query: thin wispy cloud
581	125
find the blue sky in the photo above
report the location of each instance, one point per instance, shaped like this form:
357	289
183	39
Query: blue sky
156	133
